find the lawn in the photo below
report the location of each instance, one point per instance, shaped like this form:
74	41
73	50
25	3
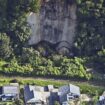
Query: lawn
84	86
6	103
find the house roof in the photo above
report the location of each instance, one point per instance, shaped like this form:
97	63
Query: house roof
69	89
50	87
32	94
66	90
28	93
14	84
0	90
103	94
9	89
39	88
74	89
101	98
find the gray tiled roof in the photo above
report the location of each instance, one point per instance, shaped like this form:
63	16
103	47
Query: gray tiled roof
70	89
32	93
66	89
10	89
28	93
74	89
0	90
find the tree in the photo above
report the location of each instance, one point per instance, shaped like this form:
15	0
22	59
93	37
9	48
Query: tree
18	102
35	5
29	55
91	33
5	47
56	103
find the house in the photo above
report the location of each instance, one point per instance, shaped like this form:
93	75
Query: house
37	95
10	92
101	99
67	93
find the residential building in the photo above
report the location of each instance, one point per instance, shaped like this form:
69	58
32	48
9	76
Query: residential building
101	99
34	95
37	95
67	93
10	92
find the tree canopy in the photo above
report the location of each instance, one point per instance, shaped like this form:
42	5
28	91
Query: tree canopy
17	57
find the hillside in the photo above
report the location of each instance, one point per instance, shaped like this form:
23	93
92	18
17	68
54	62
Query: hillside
84	49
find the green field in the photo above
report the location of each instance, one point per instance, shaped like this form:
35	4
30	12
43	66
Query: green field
85	87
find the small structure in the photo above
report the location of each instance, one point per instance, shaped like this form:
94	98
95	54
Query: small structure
102	99
10	92
67	93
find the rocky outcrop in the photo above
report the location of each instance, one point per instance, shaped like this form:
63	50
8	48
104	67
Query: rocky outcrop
55	23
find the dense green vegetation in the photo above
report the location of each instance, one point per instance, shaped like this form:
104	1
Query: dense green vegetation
17	58
56	66
91	15
91	34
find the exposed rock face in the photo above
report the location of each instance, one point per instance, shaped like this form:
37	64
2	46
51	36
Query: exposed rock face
55	23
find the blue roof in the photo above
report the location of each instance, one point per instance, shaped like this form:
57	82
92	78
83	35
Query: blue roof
28	93
32	93
0	90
